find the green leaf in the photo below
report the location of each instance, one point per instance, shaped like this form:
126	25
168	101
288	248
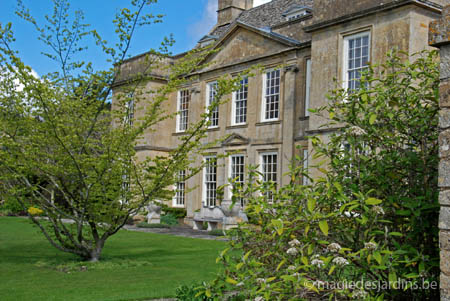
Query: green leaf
208	293
289	278
304	260
307	230
403	212
224	252
412	275
239	265
395	234
311	204
281	264
373	201
323	225
247	255
377	257
231	281
372	118
393	279
308	284
364	97
331	270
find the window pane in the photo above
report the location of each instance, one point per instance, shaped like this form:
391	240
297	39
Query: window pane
210	182
183	109
272	96
237	174
240	103
269	170
214	118
358	58
181	189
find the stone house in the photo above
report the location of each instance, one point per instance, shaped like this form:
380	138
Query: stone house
268	119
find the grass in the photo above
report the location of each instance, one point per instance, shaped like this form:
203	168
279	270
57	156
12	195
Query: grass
135	266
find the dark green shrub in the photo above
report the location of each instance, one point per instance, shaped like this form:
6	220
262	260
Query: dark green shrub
130	221
369	217
12	207
169	219
218	232
205	226
189	293
177	212
152	226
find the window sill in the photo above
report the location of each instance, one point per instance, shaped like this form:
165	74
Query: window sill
269	122
178	206
237	126
179	134
213	129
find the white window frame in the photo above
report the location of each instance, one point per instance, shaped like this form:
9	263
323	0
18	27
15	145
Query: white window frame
175	202
205	183
130	108
297	14
179	129
345	68
209	102
308	87
261	166
264	97
243	87
230	174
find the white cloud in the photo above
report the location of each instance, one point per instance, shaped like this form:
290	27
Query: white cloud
208	20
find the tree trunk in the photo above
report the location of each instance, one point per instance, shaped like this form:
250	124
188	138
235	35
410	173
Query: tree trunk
94	255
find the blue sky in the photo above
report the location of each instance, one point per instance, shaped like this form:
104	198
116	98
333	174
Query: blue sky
187	20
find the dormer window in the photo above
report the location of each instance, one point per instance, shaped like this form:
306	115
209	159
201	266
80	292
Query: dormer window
297	12
207	40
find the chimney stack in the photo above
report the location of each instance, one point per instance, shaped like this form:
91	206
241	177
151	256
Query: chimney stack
229	10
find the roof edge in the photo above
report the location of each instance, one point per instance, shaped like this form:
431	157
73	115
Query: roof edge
423	3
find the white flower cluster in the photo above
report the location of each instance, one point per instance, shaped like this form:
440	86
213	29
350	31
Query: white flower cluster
334	247
259	298
292	251
356	130
317	262
371	246
378	210
291	268
294	243
261	280
340	261
360	295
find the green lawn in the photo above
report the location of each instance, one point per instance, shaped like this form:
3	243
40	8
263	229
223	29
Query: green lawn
135	266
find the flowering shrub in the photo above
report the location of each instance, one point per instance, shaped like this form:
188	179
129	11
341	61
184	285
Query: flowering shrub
367	227
35	211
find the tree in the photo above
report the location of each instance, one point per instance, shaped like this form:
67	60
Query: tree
65	151
367	227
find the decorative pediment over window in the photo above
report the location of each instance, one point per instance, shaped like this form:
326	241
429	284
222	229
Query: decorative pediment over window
235	139
243	42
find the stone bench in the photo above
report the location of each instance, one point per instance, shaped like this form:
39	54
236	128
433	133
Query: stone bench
213	216
212	223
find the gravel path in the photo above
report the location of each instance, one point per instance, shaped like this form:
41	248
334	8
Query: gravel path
183	231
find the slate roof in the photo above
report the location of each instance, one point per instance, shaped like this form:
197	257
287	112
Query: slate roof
266	15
